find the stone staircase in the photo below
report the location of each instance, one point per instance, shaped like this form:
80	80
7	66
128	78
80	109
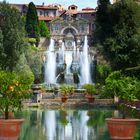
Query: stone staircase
76	100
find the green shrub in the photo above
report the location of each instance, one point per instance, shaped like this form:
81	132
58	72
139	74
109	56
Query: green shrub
32	41
102	72
125	87
90	88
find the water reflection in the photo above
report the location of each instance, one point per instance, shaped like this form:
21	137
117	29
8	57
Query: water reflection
50	124
65	125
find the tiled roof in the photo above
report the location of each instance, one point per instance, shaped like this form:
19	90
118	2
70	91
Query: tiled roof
80	12
46	7
46	18
86	12
87	9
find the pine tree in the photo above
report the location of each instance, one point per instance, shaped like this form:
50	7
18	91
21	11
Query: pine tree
32	23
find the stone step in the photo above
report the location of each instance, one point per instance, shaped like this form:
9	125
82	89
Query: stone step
57	103
52	95
97	101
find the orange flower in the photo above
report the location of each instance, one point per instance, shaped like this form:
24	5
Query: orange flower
10	88
16	83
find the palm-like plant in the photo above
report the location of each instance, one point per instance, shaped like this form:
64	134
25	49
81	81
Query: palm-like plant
90	89
66	90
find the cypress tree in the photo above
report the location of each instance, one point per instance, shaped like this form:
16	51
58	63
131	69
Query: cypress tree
32	23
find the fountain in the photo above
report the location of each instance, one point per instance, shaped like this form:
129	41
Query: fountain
85	76
50	64
61	64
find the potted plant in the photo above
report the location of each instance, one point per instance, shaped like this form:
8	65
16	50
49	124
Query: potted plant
90	91
136	102
14	87
125	88
65	91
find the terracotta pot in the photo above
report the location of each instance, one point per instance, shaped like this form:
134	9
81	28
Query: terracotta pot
64	99
137	104
10	115
121	129
91	99
10	129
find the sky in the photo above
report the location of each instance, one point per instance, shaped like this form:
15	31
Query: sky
80	3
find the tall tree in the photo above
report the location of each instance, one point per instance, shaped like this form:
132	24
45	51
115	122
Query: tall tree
118	32
44	32
122	48
32	23
102	21
1	42
11	36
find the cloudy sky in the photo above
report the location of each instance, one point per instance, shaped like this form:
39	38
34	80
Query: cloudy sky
80	3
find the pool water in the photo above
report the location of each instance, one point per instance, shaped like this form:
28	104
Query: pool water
66	124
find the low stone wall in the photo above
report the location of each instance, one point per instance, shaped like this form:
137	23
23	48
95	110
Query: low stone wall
71	103
77	103
75	100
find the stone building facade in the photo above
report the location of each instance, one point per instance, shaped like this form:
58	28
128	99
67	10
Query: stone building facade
69	25
69	30
72	27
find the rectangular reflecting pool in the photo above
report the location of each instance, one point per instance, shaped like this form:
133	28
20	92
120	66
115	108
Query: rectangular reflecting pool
66	124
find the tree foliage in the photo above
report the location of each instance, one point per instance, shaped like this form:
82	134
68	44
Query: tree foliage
44	32
34	61
1	42
102	72
116	84
14	87
11	36
102	21
32	23
121	46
